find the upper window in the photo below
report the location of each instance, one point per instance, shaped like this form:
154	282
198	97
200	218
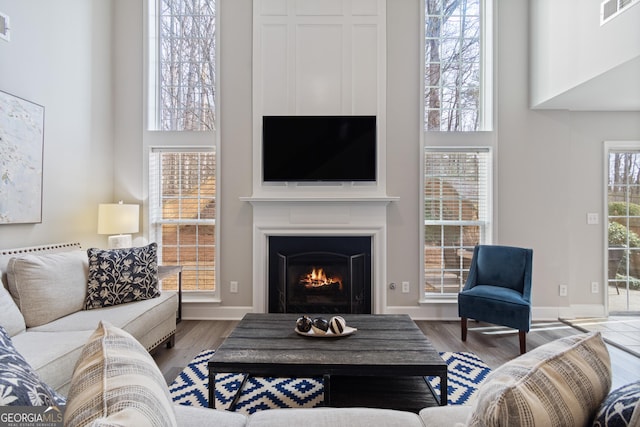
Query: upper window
456	65
182	90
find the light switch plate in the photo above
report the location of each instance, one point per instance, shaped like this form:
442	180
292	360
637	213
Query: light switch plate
5	33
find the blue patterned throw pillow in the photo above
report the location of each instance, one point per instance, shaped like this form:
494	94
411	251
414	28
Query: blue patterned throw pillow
620	408
20	385
118	276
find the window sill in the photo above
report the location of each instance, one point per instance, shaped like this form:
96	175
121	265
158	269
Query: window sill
453	299
198	297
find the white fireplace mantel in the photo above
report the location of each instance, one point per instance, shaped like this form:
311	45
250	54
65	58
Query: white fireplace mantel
319	216
319	199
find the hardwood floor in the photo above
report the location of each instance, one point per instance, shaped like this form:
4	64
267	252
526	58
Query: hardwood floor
493	344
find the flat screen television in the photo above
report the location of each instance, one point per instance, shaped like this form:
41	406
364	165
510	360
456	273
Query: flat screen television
318	148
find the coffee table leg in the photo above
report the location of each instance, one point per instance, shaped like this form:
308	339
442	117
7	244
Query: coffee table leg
444	390
326	383
212	390
232	406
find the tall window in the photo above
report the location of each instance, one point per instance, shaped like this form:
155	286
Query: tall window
182	89
456	65
182	200
456	215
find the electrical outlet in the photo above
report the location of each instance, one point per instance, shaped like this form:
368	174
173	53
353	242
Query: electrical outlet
405	287
562	290
233	287
595	287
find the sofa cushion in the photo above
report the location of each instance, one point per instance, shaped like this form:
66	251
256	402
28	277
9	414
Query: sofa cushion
561	383
119	276
116	382
190	416
52	354
620	408
450	415
10	317
20	385
47	287
139	319
321	417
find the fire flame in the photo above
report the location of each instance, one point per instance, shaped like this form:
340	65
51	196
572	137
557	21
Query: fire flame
318	278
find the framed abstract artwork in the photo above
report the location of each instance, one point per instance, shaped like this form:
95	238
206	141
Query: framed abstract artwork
21	155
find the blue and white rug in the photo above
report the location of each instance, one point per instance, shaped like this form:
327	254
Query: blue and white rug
465	373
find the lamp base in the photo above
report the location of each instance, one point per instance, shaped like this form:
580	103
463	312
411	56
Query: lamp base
120	241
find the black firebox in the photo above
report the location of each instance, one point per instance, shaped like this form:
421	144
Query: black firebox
319	274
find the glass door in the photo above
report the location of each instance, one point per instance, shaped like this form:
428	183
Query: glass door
623	254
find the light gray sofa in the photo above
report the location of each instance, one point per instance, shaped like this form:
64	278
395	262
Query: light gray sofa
44	314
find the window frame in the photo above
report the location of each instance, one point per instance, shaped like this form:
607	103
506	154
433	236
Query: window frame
461	140
183	140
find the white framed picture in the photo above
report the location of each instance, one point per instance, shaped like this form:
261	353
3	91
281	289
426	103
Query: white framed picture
21	160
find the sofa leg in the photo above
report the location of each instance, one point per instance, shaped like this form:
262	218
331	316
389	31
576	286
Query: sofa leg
172	341
523	341
463	326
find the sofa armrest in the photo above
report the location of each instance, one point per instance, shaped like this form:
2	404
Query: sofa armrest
440	416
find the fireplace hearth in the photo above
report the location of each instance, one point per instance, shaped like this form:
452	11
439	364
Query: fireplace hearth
319	274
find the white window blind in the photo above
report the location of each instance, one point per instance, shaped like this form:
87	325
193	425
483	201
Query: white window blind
456	215
182	200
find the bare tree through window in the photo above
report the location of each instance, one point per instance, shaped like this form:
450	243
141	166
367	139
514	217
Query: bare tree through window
187	64
452	65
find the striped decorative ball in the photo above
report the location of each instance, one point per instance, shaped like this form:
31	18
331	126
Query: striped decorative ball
337	324
320	325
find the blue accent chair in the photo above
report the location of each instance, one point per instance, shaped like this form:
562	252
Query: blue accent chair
498	289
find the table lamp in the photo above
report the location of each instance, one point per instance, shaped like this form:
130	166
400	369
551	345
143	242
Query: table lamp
119	220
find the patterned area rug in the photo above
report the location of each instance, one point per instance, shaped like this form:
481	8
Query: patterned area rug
465	373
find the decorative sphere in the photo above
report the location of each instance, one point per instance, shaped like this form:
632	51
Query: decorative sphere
320	325
337	325
303	324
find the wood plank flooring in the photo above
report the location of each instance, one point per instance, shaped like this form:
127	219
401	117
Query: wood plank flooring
495	345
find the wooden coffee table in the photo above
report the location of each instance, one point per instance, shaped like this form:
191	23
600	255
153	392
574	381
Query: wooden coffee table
388	354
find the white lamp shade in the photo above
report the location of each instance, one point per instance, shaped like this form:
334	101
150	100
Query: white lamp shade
118	218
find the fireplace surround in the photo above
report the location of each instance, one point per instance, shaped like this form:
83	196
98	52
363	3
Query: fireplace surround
304	215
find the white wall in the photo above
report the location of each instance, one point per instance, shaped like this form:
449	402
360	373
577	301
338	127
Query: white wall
59	56
548	163
580	65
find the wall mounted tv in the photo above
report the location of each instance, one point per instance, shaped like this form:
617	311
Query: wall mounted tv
318	148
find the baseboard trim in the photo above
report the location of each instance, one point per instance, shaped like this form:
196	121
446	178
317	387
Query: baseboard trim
425	311
205	311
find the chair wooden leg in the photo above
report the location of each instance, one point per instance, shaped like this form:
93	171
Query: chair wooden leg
463	325
523	341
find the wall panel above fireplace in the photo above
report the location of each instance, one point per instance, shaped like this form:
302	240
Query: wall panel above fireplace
319	58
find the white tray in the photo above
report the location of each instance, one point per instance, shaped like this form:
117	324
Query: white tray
348	330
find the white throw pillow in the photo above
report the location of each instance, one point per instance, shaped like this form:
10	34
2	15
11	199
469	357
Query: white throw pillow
10	317
47	287
117	382
561	383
